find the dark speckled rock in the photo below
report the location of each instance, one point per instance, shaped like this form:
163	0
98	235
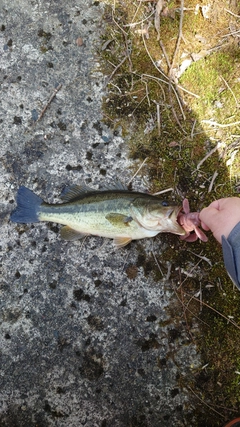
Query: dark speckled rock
86	337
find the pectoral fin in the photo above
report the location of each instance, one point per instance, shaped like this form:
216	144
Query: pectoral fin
118	219
120	242
67	233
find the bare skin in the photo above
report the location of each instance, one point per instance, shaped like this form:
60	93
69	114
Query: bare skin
221	216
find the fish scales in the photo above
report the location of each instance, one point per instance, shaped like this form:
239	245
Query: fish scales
89	213
114	213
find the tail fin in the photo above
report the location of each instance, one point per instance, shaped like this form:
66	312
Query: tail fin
28	205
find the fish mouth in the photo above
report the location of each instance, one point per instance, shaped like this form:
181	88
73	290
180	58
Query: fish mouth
175	211
174	216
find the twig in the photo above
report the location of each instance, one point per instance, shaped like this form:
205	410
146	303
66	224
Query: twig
127	52
212	181
188	91
163	191
146	88
167	81
165	76
169	268
179	37
212	123
180	105
218	312
208	406
154	64
115	22
108	117
158	10
133	24
231	13
226	83
49	102
118	88
173	60
189	274
116	68
202	257
125	34
136	12
219	145
165	54
193	128
131	114
140	167
156	261
158	82
158	118
186	308
230	34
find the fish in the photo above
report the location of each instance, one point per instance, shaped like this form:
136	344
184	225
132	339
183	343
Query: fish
113	212
190	222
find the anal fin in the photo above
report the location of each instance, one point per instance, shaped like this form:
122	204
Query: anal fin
67	233
120	242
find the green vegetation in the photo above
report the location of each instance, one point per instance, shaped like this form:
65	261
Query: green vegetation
172	123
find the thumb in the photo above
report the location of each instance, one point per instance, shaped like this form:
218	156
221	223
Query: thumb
204	226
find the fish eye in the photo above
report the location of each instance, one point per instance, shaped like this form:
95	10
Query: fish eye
165	203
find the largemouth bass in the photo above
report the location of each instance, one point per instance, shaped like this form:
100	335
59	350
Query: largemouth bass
112	212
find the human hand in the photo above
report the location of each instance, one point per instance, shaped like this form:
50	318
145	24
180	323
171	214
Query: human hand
221	216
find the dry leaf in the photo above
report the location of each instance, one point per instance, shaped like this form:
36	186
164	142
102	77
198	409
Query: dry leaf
200	55
197	9
168	13
206	11
173	144
79	41
183	67
200	38
144	31
106	44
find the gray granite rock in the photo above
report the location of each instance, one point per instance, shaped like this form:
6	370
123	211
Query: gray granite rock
86	335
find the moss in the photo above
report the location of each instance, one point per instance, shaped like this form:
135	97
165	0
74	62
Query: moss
165	127
207	78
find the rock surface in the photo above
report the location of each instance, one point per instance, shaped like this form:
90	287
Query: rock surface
86	334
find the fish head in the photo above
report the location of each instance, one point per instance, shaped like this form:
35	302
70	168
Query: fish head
161	216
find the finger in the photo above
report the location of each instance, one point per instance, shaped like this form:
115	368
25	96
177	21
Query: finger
204	226
208	216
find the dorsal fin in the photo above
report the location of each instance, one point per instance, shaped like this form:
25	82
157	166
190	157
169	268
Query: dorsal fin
71	193
115	185
75	191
